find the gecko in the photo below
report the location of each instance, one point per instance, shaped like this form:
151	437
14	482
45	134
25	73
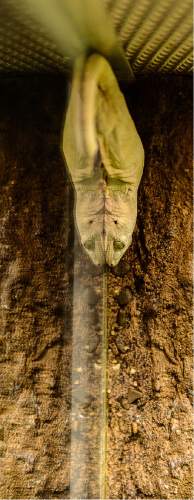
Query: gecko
105	159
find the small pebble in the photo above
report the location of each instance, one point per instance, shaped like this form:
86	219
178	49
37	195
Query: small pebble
134	426
122	425
174	425
121	269
121	345
116	367
2	449
121	317
139	282
157	386
133	394
116	291
1	433
125	403
97	366
114	349
132	371
124	297
79	369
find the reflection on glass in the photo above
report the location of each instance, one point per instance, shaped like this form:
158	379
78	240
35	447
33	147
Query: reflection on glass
88	426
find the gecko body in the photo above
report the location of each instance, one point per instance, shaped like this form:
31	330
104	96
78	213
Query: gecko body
105	158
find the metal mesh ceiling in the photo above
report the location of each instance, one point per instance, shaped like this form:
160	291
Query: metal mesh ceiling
24	45
156	36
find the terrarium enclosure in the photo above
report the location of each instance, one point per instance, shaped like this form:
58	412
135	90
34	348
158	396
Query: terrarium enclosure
95	362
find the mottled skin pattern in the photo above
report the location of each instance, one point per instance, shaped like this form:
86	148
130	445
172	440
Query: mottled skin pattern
105	158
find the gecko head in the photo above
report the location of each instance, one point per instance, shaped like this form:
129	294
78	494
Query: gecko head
106	229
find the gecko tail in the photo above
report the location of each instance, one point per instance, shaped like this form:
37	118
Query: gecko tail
97	73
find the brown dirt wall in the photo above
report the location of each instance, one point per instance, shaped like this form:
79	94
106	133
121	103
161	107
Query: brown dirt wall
149	323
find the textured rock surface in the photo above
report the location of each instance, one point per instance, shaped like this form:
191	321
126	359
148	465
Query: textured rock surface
36	292
149	445
150	452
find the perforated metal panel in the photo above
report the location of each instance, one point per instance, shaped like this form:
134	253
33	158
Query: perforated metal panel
156	36
24	45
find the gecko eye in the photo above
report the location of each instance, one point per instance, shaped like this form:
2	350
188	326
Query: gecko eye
89	244
118	245
115	221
